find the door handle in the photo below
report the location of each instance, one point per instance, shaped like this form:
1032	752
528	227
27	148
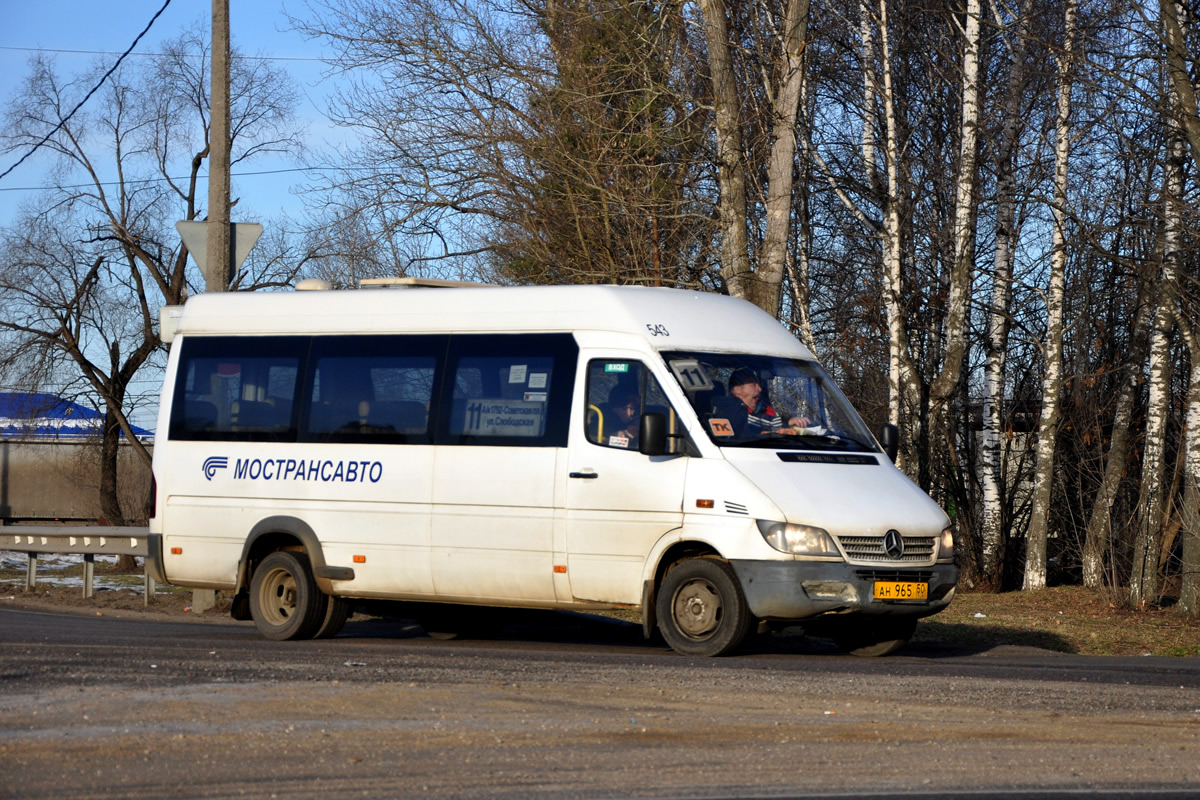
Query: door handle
586	474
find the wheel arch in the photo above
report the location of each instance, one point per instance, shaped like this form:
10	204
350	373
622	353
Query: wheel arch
673	554
281	532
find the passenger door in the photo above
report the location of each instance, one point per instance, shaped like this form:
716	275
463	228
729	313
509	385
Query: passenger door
506	409
619	502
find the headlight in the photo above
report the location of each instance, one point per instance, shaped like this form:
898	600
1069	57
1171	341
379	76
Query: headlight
798	539
946	544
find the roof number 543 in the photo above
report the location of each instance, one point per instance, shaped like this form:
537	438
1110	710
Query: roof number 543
657	330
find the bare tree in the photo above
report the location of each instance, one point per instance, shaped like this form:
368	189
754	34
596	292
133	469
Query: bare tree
1177	26
759	280
1189	593
86	268
1143	577
992	529
541	141
1035	556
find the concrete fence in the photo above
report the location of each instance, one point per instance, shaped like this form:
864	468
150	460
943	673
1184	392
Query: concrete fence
45	481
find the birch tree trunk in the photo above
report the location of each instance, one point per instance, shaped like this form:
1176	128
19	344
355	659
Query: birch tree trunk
992	530
768	280
1143	576
1098	536
871	94
763	285
1186	117
903	391
1171	17
798	267
1189	593
885	185
962	270
731	174
1043	479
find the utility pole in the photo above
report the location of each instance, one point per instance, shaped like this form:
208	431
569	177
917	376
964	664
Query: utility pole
216	272
216	269
218	246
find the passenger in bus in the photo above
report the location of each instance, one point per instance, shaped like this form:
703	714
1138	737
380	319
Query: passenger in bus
625	407
761	417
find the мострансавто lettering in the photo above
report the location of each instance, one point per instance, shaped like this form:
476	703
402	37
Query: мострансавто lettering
292	469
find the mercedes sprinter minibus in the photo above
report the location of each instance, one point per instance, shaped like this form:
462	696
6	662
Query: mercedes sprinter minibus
674	453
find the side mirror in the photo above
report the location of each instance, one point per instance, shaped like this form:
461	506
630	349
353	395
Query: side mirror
652	434
889	437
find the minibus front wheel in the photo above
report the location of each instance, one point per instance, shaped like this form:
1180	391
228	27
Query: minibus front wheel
700	607
284	599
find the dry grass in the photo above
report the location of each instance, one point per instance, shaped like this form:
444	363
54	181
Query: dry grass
1069	619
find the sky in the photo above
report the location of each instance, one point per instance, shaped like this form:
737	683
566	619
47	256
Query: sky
77	34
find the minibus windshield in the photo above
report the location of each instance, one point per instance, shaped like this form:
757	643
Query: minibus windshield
747	400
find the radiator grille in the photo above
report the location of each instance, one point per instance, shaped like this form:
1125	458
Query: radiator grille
920	576
917	549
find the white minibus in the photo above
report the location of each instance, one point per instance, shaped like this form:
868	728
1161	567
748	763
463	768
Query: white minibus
674	453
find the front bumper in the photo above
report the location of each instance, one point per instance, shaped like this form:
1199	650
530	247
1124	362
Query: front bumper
798	590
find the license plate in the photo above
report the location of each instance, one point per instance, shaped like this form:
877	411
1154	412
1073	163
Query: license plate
897	590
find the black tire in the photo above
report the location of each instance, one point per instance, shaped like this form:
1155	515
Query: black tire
872	638
337	612
284	599
701	608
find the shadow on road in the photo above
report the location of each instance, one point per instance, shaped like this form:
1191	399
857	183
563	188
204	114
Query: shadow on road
407	621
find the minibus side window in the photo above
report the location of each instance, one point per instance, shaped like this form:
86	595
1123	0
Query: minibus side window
372	388
618	392
509	390
237	389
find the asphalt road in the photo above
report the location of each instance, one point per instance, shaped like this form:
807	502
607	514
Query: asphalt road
571	706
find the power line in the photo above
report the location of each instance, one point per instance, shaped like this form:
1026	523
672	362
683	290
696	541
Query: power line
113	53
146	180
95	88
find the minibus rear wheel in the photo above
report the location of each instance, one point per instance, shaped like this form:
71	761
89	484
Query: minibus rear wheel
701	608
336	614
284	599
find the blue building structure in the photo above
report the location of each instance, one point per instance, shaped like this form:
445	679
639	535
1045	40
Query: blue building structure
40	416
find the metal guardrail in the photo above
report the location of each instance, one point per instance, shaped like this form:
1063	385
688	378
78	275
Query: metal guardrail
88	540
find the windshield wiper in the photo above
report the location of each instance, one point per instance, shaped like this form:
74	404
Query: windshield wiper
814	441
832	437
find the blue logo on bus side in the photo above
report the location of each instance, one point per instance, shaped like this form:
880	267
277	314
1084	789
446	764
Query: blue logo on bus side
282	469
212	464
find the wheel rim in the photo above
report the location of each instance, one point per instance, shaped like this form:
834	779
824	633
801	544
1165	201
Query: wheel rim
277	598
697	609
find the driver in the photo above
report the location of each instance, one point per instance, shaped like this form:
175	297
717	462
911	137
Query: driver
625	407
761	417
